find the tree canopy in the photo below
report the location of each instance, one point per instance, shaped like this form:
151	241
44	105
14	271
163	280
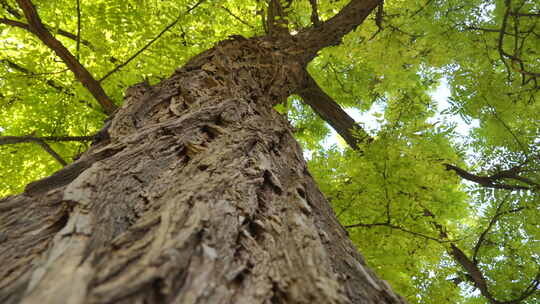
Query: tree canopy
444	217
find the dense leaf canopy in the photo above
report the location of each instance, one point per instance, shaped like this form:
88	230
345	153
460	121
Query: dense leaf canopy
445	217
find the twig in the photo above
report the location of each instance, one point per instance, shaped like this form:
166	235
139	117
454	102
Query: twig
53	153
398	228
168	27
236	17
78	29
49	82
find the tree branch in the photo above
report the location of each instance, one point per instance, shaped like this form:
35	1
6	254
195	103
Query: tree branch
331	32
8	140
276	18
525	14
314	13
49	82
168	27
36	27
474	273
397	228
493	180
60	32
10	9
78	29
236	17
345	126
493	221
53	153
332	113
41	141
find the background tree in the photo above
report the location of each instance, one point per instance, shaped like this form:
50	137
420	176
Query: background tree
443	217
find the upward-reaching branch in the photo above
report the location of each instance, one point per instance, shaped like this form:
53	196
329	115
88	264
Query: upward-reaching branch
81	73
332	31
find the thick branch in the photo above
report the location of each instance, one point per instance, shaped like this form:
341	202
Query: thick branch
332	113
331	32
472	270
80	72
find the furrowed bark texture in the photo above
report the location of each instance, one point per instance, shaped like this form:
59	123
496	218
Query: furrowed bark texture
200	195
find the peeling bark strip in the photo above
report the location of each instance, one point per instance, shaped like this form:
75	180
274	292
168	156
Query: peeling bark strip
204	199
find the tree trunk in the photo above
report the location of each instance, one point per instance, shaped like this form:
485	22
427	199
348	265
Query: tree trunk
199	194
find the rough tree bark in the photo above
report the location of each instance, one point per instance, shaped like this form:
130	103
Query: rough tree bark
199	194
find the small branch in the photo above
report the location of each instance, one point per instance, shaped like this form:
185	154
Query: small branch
483	29
474	274
276	18
78	29
379	16
489	181
80	72
24	70
428	3
60	32
10	9
488	228
167	28
8	140
514	58
314	13
525	14
397	228
53	153
236	17
41	141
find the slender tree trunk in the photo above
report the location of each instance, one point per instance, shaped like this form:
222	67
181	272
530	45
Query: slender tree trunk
200	194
